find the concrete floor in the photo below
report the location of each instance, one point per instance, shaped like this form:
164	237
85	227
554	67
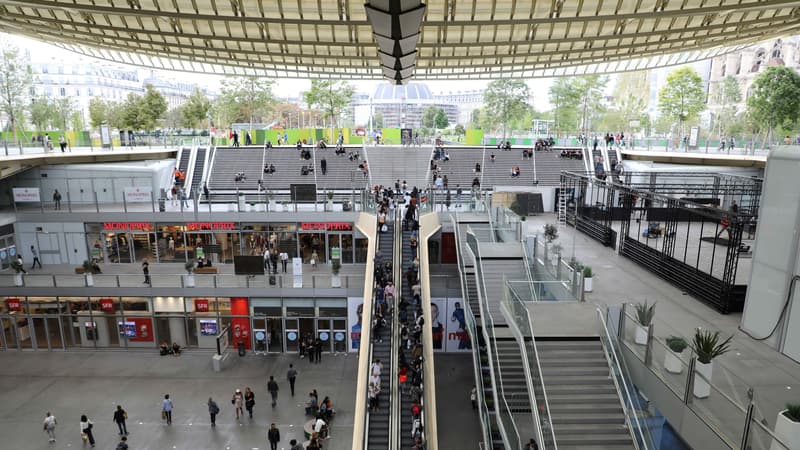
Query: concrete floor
71	384
459	425
775	378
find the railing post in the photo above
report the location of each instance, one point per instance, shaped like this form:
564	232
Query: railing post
648	353
125	203
621	322
69	202
748	421
689	393
96	203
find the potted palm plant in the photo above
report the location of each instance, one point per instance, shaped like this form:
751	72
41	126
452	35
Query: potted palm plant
336	266
644	317
242	202
707	346
18	271
329	205
88	271
587	279
672	358
787	428
189	278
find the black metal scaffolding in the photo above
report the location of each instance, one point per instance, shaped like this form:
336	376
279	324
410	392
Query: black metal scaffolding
687	228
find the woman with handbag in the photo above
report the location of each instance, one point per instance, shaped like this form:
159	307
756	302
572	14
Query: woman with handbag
237	401
249	401
86	430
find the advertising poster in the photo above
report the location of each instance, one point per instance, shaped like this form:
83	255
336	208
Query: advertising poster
457	337
127	329
26	195
138	194
208	327
438	318
355	306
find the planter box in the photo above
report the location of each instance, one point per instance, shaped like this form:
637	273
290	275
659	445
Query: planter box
89	279
18	279
188	280
242	204
587	284
788	432
641	335
336	281
672	362
702	389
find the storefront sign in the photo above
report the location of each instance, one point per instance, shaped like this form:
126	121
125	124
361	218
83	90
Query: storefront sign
198	226
107	305
130	226
330	226
201	305
138	194
26	195
13	304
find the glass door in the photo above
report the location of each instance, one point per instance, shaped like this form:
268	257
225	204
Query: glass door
324	334
9	340
260	336
292	335
339	333
275	334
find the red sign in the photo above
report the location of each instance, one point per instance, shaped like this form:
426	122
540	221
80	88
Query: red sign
200	305
331	226
13	304
195	226
137	226
107	305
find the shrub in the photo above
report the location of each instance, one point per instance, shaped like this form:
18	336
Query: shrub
550	232
677	344
792	412
645	313
587	272
707	345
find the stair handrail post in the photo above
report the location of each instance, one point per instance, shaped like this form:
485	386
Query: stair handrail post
688	394
748	421
648	353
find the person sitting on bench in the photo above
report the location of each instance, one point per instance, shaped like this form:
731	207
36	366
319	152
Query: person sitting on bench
306	169
164	348
477	167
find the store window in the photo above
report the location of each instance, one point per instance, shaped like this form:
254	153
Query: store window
170	243
361	250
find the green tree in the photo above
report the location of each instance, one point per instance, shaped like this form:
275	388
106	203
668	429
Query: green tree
504	101
682	98
630	103
116	114
332	97
440	119
76	121
64	107
130	115
377	120
42	113
590	93
428	119
565	98
243	99
15	83
774	99
195	111
98	112
152	107
174	118
727	94
459	130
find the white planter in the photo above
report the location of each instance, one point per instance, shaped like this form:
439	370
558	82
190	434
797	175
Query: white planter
273	205
329	205
18	279
336	281
672	362
587	284
253	208
242	204
89	279
261	207
188	280
788	432
702	389
641	335
231	207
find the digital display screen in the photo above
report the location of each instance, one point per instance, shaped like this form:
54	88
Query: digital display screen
208	327
127	329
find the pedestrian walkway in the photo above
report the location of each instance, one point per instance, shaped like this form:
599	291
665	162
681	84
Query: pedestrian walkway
71	384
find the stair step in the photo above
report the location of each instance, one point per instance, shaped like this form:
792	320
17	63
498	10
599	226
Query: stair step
588	407
594	418
584	428
582	398
595	440
574	370
587	380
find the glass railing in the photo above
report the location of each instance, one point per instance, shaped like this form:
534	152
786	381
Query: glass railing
546	264
721	401
635	416
522	318
176	280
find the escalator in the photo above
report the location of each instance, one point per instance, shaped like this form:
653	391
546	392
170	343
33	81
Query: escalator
184	158
379	434
197	173
406	417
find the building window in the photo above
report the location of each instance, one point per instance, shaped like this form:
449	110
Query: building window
32	91
62	91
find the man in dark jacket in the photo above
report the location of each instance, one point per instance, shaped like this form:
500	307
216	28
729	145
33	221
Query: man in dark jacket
274	436
324	166
119	418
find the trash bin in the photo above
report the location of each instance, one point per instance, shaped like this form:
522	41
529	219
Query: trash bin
240	346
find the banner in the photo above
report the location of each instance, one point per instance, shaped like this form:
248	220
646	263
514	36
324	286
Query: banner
26	195
200	305
13	305
438	311
457	336
107	305
138	194
355	307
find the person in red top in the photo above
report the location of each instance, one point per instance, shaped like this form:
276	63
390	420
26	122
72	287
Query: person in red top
415	409
723	226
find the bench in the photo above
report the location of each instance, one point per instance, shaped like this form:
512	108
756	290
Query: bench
80	270
211	270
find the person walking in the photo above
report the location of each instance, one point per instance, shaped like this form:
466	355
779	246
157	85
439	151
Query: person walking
166	409
284	261
206	191
184	198
273	436
249	401
473	397
57	199
295	445
323	164
120	416
21	264
272	387
49	426
146	271
213	410
238	402
35	258
291	375
86	430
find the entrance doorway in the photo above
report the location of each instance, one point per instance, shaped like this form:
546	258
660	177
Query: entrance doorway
46	333
297	329
49	248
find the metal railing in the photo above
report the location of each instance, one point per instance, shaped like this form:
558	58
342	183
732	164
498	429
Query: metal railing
639	431
533	372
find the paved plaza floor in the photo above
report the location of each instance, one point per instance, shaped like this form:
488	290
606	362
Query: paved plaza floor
93	383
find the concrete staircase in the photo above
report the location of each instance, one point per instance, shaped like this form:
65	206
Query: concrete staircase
585	409
389	163
515	390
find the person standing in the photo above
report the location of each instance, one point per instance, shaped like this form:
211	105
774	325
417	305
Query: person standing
62	143
238	402
473	397
273	436
295	445
49	426
57	199
184	198
532	445
249	401
291	375
284	261
146	271
35	258
213	410
266	259
206	191
310	350
166	409
318	350
272	387
86	429
120	416
324	166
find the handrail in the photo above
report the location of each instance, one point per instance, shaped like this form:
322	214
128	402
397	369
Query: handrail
527	365
494	366
634	426
397	267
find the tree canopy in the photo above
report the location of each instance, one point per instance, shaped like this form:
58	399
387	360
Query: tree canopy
565	98
434	117
682	98
727	94
505	100
331	97
15	83
774	98
243	99
195	111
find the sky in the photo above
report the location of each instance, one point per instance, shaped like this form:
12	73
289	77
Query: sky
41	52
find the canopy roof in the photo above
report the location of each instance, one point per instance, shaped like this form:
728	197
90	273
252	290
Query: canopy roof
459	39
